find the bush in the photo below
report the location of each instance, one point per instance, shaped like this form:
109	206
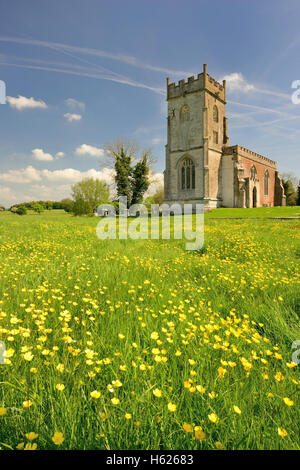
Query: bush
21	210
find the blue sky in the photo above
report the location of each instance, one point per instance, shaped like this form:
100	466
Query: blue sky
82	73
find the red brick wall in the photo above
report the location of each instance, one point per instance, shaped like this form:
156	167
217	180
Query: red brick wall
260	171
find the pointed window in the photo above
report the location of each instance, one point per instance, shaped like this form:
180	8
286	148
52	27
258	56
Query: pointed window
215	114
187	174
266	183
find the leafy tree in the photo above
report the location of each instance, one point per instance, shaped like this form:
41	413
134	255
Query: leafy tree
288	176
298	194
122	177
2	208
140	181
289	190
88	194
159	196
131	171
66	204
36	207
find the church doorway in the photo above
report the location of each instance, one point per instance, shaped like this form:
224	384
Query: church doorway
254	197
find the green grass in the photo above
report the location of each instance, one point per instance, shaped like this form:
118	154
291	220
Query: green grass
288	211
231	310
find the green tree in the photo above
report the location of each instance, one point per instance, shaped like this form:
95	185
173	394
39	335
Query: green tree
36	207
140	180
289	191
88	194
131	171
159	196
298	194
123	175
66	204
21	210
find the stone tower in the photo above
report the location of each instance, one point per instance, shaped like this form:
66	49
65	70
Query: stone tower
197	134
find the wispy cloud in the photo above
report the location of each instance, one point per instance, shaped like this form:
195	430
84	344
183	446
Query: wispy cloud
72	117
85	72
130	60
236	82
74	104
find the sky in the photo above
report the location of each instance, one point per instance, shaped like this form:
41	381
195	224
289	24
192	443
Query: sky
79	74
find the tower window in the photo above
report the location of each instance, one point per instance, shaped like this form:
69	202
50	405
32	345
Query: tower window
185	113
215	114
187	173
215	137
266	183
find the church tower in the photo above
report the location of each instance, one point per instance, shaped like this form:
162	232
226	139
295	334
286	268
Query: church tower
197	133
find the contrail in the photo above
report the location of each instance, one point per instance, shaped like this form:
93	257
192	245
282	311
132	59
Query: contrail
97	75
95	52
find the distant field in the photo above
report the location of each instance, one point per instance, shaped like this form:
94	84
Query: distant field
144	345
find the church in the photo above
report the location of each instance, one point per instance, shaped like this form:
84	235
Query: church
201	166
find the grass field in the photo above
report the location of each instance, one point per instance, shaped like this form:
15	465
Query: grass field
144	345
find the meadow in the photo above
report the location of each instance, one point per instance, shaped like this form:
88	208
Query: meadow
123	344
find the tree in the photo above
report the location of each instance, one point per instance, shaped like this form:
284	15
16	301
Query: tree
289	177
289	191
140	180
66	204
36	207
21	210
298	195
123	174
159	196
88	194
131	171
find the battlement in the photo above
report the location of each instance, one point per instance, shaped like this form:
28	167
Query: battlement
243	152
203	81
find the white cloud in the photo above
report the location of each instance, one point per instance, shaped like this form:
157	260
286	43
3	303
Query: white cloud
56	184
71	175
7	195
21	102
236	82
54	193
24	175
157	140
86	149
60	154
74	104
73	117
39	154
31	174
156	181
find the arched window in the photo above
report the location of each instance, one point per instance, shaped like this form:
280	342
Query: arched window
215	114
266	183
187	174
185	113
253	172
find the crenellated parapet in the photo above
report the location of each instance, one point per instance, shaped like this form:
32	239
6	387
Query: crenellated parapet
238	150
203	81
